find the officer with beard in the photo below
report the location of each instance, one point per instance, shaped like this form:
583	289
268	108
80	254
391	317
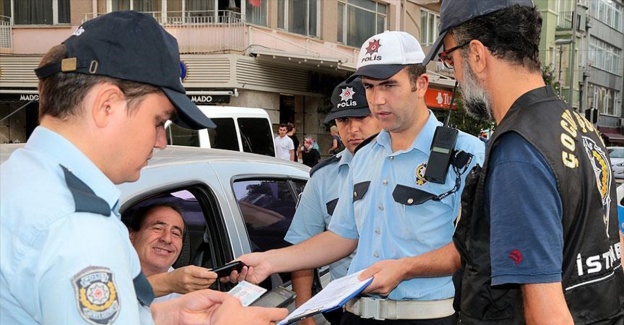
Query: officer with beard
538	234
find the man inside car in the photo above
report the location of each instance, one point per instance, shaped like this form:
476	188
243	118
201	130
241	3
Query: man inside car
157	232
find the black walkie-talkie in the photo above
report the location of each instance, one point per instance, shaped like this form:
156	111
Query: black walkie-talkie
442	148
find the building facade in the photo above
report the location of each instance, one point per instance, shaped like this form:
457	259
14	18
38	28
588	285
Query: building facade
285	56
587	58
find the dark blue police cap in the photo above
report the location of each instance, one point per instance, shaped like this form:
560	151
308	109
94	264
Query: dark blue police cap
456	12
348	100
131	46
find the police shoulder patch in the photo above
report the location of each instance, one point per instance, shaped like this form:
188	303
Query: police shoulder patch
96	295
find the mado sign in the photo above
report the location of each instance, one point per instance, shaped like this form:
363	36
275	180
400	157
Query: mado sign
17	97
210	99
28	97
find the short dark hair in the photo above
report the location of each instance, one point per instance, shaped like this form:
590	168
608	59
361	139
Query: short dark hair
511	34
283	125
61	94
290	126
415	71
134	218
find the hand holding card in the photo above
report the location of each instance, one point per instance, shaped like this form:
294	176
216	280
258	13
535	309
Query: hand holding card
226	269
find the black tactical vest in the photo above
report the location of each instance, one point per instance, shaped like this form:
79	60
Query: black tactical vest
592	277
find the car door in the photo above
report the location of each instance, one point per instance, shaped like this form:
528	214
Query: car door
196	189
226	214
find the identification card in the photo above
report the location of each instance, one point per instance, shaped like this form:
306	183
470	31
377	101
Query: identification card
247	292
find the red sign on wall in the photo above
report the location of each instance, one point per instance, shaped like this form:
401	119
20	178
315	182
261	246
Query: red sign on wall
436	98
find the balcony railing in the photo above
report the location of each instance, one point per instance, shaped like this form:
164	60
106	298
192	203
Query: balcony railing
6	34
222	31
187	17
202	31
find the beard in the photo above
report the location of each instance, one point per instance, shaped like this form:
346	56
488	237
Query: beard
476	99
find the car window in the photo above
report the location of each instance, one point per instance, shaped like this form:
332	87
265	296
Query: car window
224	136
256	135
267	206
616	152
205	242
178	135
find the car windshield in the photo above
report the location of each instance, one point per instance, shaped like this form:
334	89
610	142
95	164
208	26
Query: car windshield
616	152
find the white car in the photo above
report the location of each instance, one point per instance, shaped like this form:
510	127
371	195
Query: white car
233	203
616	155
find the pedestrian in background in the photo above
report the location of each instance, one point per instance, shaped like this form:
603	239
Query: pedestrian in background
310	156
284	147
337	145
292	130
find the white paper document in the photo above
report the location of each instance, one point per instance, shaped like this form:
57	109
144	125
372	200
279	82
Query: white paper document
335	295
246	292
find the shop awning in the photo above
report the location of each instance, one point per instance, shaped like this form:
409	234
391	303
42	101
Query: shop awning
306	60
614	137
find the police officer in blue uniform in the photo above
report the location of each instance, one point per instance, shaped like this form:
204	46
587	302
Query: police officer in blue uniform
355	124
65	256
400	223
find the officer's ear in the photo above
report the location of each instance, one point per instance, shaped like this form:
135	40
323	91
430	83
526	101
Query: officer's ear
422	83
107	102
133	235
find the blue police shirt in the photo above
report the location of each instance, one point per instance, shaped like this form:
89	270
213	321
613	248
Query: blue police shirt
59	265
387	229
313	212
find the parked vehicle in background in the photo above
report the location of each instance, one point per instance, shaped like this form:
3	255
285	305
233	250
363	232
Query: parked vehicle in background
616	155
241	129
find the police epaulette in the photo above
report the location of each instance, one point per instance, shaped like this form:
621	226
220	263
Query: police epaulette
365	142
85	199
325	162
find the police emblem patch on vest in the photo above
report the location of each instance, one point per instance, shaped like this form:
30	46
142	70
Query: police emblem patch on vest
420	174
602	170
96	295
